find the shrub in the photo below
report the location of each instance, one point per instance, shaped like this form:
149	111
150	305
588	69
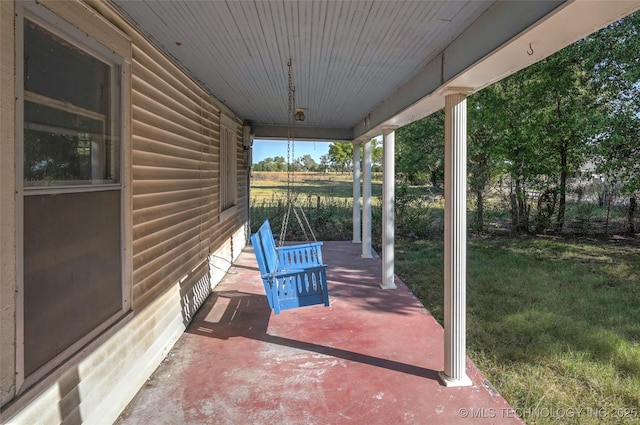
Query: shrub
414	218
584	213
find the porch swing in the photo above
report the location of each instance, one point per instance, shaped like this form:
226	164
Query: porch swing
293	275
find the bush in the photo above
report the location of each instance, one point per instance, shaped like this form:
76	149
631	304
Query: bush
584	213
332	219
414	218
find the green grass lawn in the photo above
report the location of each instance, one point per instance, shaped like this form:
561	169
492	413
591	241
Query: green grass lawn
552	323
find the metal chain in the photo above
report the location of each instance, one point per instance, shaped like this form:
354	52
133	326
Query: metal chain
285	224
290	136
308	225
290	131
290	167
295	211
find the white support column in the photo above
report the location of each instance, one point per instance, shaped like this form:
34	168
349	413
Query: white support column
366	202
455	239
357	223
388	205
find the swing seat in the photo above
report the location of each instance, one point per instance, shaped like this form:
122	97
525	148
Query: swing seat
293	275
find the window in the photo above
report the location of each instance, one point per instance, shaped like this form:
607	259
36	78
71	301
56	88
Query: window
72	249
228	160
70	131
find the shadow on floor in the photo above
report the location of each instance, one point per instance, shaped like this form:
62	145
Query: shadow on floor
234	314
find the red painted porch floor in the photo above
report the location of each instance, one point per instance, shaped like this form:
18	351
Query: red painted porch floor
371	358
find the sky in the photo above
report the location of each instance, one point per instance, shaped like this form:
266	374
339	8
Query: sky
270	148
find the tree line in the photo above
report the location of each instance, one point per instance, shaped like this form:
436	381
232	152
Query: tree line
545	132
338	159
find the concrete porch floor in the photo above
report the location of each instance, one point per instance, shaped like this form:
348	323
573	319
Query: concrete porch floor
371	358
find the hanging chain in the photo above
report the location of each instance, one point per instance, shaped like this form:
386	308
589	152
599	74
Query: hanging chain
285	224
304	231
313	235
290	132
290	167
290	136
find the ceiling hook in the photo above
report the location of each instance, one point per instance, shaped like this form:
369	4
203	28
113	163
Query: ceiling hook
530	51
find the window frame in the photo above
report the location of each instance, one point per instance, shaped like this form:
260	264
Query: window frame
228	159
119	60
67	32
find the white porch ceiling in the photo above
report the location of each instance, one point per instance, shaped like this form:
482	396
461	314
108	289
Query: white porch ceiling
356	64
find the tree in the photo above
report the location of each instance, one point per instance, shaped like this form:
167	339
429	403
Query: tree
540	125
564	88
341	155
482	142
505	109
308	163
538	122
376	155
420	151
325	162
619	157
271	164
613	55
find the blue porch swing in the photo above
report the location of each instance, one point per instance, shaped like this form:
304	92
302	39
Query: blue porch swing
293	275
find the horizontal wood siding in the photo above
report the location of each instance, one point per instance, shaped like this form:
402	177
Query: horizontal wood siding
175	144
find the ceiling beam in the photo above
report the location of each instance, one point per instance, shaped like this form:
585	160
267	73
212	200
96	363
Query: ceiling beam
281	132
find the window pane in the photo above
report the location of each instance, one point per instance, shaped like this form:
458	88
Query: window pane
70	133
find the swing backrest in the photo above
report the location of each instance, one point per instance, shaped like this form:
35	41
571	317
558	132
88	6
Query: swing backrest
265	248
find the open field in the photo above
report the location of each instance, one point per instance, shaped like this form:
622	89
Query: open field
327	201
269	185
552	321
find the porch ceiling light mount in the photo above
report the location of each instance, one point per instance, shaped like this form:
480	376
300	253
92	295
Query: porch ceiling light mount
299	115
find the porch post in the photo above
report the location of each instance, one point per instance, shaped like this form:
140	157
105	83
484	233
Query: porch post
366	202
357	225
388	204
455	239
